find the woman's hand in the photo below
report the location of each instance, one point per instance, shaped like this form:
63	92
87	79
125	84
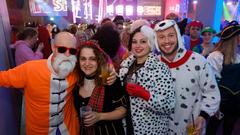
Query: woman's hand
90	118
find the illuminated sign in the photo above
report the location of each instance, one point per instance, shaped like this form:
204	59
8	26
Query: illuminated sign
110	10
48	7
119	9
139	10
149	10
172	6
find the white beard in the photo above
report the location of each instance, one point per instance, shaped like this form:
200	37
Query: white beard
64	65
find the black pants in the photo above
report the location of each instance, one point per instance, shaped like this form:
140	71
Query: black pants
228	124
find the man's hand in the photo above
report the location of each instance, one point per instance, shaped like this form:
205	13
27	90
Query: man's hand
112	78
199	125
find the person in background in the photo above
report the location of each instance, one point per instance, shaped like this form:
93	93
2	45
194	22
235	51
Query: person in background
149	84
105	20
50	27
108	103
119	20
45	38
238	47
124	36
225	62
207	45
14	31
91	30
197	95
109	40
48	85
23	49
24	45
195	28
72	28
54	32
81	37
172	16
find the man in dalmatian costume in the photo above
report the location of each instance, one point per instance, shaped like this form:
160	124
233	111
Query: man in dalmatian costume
197	94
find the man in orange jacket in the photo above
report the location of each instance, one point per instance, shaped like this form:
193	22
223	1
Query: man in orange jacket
48	88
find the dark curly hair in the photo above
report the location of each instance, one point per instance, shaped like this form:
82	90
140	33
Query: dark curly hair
109	39
102	60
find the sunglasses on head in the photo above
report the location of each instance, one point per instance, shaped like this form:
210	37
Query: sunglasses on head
62	49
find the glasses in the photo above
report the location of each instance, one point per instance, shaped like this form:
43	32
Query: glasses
62	49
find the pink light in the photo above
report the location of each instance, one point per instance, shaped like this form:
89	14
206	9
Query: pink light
119	9
129	10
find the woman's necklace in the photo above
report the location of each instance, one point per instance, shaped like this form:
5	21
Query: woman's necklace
137	66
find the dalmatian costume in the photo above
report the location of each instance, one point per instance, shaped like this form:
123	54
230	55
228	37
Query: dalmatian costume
196	88
150	117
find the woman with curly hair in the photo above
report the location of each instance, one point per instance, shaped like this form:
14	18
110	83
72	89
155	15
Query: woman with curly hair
108	103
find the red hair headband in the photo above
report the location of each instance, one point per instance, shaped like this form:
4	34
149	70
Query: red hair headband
94	43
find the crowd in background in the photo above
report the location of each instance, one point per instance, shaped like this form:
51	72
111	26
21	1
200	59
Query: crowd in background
172	78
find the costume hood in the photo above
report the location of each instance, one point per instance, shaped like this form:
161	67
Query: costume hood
163	25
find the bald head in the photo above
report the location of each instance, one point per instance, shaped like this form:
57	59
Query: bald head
64	50
65	39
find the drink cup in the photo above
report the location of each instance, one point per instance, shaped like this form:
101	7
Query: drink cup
83	110
191	125
190	129
105	73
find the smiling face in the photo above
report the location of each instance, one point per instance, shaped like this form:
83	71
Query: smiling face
140	46
167	41
88	61
207	37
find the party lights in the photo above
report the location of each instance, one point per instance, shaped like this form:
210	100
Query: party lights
129	10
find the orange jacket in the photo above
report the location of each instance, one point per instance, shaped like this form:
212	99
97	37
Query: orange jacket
49	101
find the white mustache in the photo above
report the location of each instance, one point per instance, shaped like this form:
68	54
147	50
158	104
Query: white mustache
61	58
64	65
